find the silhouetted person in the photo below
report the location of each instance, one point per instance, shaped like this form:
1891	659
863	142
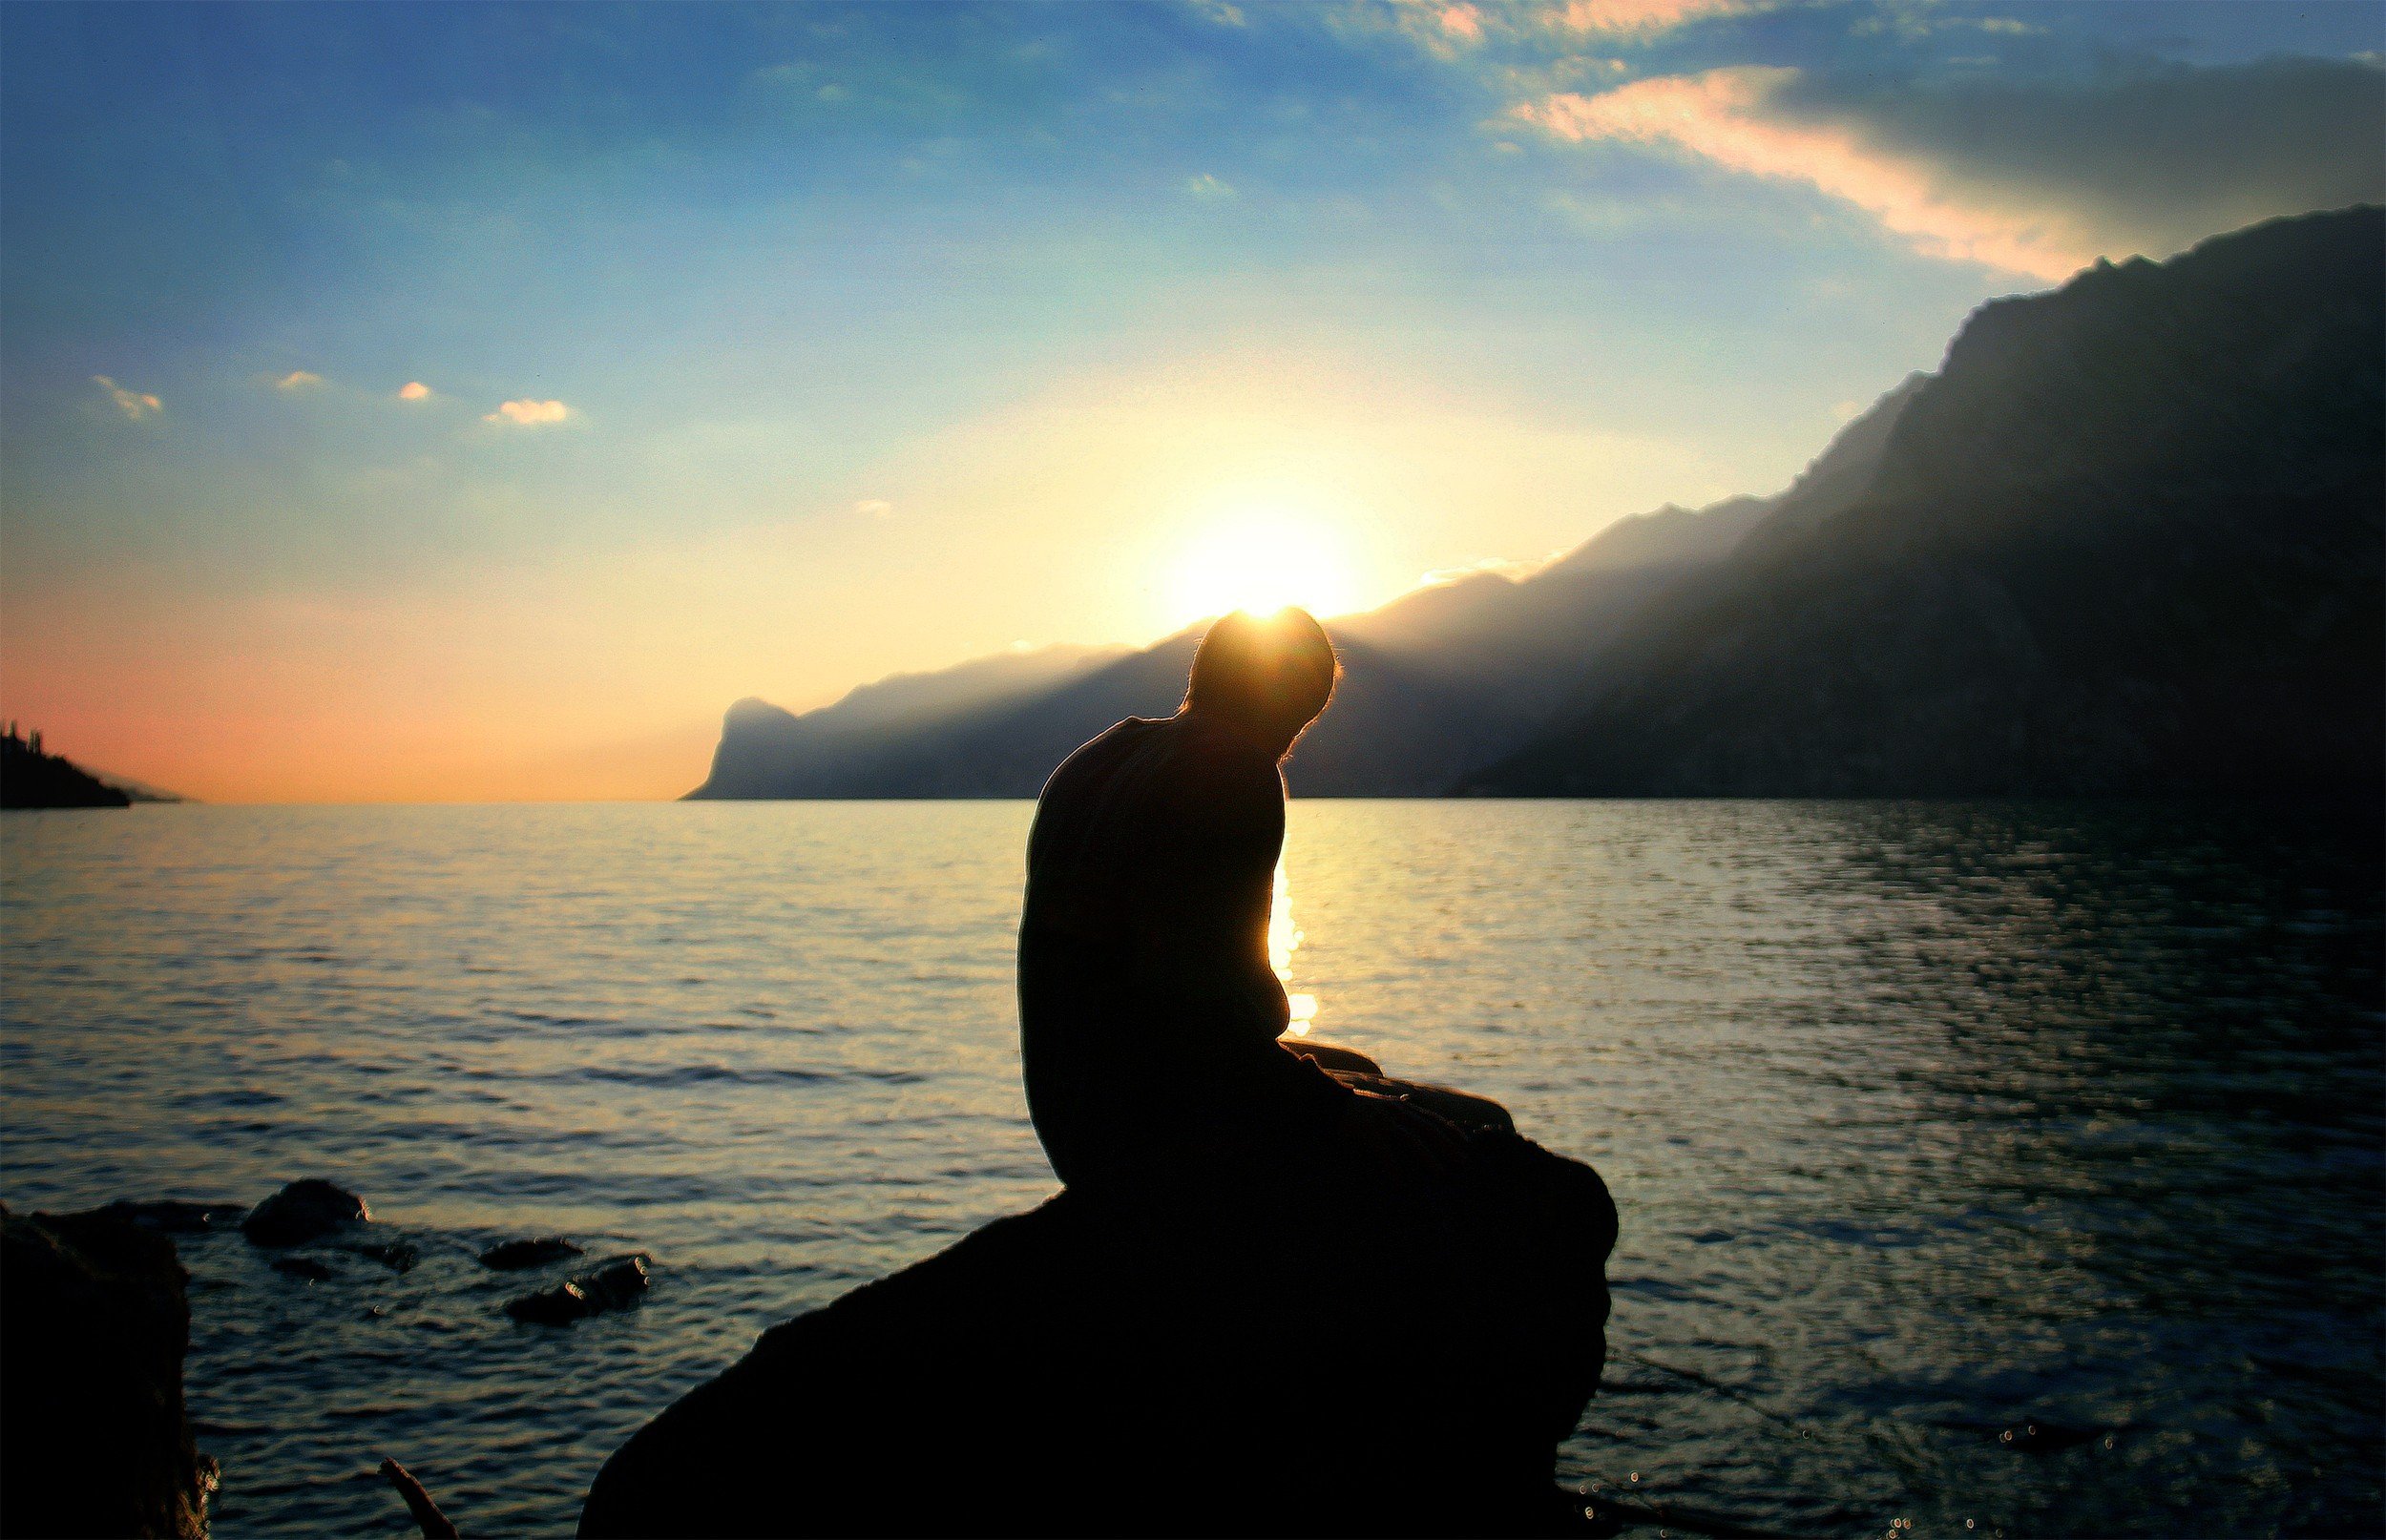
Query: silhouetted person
1248	1251
1148	1010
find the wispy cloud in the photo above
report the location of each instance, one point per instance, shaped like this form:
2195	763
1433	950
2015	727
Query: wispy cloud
529	413
1208	189
1641	18
874	507
297	380
1464	22
2031	176
1728	116
132	404
414	390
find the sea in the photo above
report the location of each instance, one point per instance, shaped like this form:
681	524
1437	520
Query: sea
1930	1124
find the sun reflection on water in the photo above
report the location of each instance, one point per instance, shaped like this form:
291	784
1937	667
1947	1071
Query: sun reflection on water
1284	939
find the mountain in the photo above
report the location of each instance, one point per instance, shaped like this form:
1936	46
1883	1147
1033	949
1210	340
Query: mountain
2127	540
766	752
1527	641
1435	684
28	778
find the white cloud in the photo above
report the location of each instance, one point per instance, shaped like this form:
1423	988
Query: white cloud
1208	189
529	413
132	404
414	390
297	380
1726	117
1645	17
874	507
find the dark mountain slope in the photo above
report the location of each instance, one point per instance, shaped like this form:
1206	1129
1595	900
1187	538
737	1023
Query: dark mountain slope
2128	540
1525	641
766	752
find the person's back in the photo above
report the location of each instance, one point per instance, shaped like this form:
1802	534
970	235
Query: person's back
1148	1011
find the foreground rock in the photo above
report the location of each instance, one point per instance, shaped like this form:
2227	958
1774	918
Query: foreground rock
302	1212
617	1283
93	1436
1320	1358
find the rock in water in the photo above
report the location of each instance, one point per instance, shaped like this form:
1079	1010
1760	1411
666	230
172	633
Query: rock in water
2045	1438
1325	1356
617	1283
515	1256
93	1436
559	1306
302	1212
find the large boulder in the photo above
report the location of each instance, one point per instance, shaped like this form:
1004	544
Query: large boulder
94	1323
1330	1355
302	1212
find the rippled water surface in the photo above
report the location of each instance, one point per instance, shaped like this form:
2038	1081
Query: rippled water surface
1923	1119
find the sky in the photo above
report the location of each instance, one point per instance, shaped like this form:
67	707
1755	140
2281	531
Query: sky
471	402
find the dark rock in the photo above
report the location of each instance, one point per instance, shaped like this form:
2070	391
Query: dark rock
515	1256
302	1212
1329	1354
93	1439
176	1216
397	1256
616	1283
2045	1438
306	1267
558	1306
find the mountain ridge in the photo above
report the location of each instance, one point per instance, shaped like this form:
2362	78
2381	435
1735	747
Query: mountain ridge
2127	540
1977	586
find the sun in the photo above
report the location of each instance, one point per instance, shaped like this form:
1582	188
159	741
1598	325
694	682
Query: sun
1260	560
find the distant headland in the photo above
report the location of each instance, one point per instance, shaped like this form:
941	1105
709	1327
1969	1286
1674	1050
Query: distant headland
29	777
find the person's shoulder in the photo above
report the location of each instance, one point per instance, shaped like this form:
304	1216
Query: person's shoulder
1097	756
1214	765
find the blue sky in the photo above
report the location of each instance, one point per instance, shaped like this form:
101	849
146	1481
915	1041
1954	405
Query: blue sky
844	340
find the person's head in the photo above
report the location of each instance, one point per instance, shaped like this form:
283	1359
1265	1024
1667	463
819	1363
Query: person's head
1270	674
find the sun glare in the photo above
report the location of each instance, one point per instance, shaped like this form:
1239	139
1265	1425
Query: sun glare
1261	561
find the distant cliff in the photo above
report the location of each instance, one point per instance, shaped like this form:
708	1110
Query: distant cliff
2129	540
29	778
